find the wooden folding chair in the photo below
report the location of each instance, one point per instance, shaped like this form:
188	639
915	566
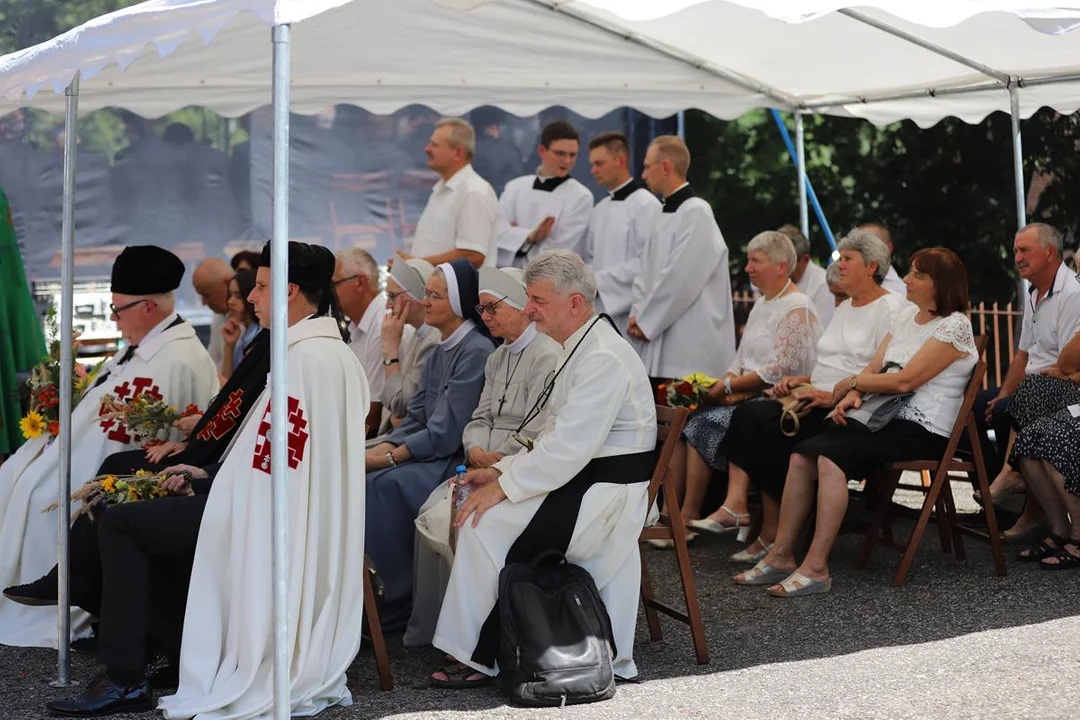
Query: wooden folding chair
939	494
374	624
670	422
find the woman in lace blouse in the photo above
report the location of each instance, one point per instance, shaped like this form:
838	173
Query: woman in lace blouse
933	346
778	341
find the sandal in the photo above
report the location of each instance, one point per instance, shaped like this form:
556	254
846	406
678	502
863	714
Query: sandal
798	584
1062	558
745	556
460	677
761	574
741	526
1043	550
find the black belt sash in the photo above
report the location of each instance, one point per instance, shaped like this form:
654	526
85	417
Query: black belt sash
552	526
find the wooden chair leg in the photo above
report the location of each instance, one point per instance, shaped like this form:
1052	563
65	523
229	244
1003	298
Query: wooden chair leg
887	481
944	530
686	574
374	624
984	489
954	523
651	616
941	477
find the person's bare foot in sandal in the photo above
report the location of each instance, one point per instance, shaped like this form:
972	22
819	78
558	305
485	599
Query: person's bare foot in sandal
805	580
1066	558
459	676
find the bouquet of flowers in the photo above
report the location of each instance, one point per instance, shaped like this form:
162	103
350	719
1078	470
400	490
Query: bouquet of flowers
147	418
115	490
688	392
43	387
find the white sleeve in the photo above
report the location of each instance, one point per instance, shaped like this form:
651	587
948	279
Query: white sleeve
956	330
616	284
571	226
511	238
794	348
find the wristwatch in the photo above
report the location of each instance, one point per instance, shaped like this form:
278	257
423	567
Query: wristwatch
727	384
854	382
389	362
391	460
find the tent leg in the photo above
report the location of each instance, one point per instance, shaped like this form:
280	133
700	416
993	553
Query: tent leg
800	162
1018	178
67	360
279	407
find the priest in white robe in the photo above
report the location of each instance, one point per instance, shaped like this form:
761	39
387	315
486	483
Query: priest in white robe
515	375
809	276
682	313
163	359
549	210
620	226
582	490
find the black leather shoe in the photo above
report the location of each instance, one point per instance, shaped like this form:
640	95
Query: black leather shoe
105	697
40	593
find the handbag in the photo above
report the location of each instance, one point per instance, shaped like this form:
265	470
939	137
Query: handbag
878	409
792	409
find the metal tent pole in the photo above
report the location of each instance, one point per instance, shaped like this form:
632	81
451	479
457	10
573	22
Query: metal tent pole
67	360
800	162
1018	179
279	389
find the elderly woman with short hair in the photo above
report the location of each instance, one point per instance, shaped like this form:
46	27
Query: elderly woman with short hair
779	340
928	354
756	446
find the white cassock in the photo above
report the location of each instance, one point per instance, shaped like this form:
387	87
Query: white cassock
601	410
682	297
171	363
526	201
813	283
226	658
620	226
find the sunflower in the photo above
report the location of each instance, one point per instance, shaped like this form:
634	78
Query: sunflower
32	425
109	484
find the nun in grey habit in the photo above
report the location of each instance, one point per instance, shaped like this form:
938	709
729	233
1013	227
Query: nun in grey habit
515	377
424	449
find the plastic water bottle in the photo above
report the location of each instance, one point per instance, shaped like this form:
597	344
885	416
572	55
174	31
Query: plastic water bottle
462	490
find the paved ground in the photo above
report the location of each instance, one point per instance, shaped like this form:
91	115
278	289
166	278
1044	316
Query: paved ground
955	641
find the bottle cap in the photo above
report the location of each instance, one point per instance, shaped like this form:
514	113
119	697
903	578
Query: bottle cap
461	468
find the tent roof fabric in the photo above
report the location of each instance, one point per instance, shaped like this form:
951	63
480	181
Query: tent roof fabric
659	56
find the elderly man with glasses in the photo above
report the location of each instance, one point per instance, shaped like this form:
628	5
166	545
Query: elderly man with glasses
163	360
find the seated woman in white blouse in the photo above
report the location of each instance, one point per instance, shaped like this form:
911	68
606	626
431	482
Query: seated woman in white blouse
756	447
779	340
933	346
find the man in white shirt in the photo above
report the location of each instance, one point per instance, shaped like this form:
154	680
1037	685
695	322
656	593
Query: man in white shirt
620	226
893	281
809	276
356	283
1051	318
461	219
549	210
681	313
211	281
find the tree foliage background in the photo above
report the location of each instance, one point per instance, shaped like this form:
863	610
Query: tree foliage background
949	185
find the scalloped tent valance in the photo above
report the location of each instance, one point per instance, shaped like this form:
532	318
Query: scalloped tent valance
659	56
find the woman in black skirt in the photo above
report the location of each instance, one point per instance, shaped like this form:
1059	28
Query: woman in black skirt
929	352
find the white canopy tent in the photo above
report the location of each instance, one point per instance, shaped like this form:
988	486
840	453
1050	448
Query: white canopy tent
891	60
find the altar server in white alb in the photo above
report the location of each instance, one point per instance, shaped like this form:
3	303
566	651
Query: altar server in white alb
681	314
809	276
227	654
163	360
549	210
620	226
582	490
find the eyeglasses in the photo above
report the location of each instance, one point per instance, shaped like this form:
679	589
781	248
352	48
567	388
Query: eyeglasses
117	310
489	308
392	296
335	283
432	295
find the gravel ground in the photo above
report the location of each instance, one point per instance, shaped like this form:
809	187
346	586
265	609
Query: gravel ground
954	641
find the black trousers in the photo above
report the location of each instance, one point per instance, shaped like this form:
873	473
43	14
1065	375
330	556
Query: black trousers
146	549
1001	423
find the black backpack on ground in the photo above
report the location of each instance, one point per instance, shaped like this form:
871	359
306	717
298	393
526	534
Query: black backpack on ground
556	644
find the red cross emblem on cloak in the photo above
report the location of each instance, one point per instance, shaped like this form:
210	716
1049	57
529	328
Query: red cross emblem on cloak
225	419
113	428
297	438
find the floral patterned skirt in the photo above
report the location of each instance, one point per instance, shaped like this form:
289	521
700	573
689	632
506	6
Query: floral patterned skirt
1056	438
1040	395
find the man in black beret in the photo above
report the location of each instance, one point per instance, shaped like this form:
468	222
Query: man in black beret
151	552
163	359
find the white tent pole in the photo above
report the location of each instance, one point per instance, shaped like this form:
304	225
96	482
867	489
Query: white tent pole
279	388
1018	179
561	6
800	155
67	360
